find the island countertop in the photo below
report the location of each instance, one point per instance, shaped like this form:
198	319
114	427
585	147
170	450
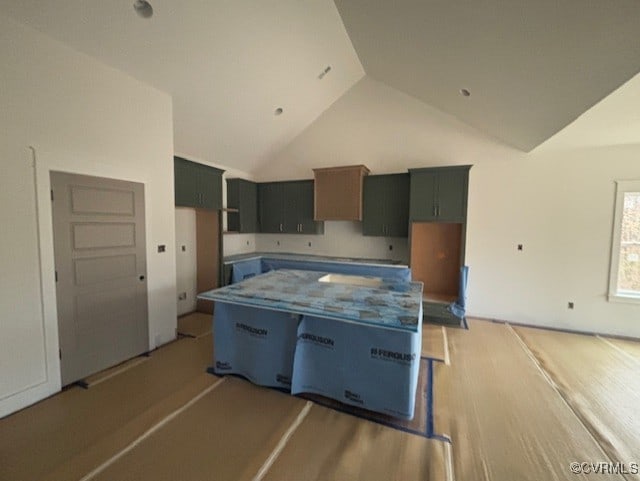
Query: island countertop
309	257
392	304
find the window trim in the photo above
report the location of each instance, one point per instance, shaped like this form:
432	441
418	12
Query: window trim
614	295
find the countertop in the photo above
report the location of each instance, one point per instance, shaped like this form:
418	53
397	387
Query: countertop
308	257
393	304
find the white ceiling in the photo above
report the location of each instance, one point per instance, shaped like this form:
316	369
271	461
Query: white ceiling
228	64
532	66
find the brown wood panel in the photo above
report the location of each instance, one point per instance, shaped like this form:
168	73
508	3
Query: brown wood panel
338	192
435	256
208	254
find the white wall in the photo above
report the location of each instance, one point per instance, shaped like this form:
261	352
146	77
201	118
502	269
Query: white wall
557	201
186	260
340	238
81	117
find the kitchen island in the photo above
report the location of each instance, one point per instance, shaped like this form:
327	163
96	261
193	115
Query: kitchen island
355	339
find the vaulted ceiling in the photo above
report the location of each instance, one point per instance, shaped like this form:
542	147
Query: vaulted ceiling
531	67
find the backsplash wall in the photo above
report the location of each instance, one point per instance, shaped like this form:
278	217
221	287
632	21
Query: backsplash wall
340	239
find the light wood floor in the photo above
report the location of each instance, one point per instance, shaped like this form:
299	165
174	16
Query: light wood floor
518	404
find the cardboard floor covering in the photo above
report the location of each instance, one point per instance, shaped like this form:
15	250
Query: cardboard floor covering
230	433
332	446
102	376
506	420
195	324
67	435
433	342
601	384
632	348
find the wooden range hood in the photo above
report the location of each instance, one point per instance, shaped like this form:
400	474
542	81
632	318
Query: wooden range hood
338	192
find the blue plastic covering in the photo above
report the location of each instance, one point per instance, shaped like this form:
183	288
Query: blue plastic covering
400	273
359	345
372	368
256	343
392	303
458	308
244	269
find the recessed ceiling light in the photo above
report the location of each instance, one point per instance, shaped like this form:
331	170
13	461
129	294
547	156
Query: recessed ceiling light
465	93
143	8
278	111
326	70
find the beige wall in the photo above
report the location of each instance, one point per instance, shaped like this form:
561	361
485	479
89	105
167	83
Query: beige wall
83	117
557	201
187	260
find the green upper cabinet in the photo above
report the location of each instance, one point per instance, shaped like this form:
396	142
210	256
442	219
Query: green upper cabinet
439	194
270	205
197	185
242	195
287	207
386	205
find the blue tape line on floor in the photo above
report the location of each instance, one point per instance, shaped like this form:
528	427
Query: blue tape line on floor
430	399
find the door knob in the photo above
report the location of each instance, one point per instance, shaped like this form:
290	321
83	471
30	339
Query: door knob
141	278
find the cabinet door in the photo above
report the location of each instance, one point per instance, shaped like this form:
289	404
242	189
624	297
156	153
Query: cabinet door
242	195
209	187
374	216
248	206
423	191
452	195
270	207
185	183
396	209
233	202
305	209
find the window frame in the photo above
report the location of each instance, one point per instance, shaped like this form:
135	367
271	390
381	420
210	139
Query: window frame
622	187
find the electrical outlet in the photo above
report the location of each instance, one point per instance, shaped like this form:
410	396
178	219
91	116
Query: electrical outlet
570	305
182	296
162	248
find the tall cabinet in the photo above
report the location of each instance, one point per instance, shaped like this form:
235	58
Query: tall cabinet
199	186
437	218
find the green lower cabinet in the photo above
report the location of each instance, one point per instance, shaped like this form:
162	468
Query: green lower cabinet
385	210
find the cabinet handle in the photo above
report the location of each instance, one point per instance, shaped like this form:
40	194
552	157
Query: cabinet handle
438	210
280	227
299	227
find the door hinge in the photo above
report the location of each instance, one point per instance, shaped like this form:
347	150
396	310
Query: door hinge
51	194
60	353
56	276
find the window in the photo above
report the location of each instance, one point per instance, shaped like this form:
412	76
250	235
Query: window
624	279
